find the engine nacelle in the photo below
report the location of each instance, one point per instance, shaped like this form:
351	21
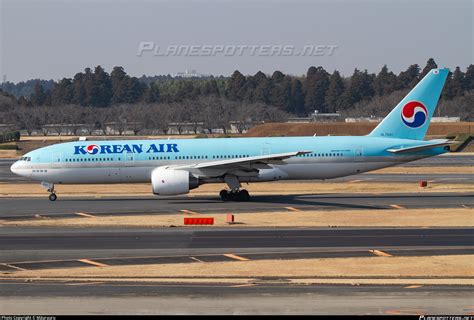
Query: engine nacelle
168	181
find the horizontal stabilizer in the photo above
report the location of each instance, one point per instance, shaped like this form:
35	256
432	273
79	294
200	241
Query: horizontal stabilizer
421	147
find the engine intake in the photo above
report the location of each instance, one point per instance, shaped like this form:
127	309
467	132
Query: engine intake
168	181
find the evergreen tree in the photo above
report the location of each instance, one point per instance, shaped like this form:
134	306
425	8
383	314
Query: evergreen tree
79	92
317	83
38	97
335	92
63	92
101	88
360	87
407	79
385	82
458	82
152	94
469	78
236	86
280	94
430	64
119	78
262	89
297	98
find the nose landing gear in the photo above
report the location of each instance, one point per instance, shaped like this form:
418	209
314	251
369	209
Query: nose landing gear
50	188
53	196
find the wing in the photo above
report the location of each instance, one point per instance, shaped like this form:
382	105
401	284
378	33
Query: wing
239	166
421	147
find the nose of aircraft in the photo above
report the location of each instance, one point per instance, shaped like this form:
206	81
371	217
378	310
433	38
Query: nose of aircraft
14	167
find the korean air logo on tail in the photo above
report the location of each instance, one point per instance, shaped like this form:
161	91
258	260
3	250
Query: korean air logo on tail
414	114
92	149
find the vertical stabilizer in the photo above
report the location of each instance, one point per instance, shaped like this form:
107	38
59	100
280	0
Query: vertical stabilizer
411	118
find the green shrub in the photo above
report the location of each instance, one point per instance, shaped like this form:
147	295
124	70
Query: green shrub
10	136
8	147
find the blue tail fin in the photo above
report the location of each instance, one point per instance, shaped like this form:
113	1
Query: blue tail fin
411	118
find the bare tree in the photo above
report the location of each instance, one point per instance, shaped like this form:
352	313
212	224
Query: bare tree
193	113
26	119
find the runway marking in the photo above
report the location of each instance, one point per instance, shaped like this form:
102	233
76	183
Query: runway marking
196	259
188	212
13	267
244	285
380	253
94	263
84	283
464	206
431	181
354	181
38	216
292	209
414	286
405	311
84	215
396	206
233	256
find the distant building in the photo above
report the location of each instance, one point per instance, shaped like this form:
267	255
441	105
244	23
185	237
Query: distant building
446	119
364	119
317	117
191	74
185	127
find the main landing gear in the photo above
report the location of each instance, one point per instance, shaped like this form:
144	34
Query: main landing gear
235	193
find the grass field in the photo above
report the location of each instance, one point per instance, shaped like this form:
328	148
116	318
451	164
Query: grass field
262	188
455	269
462	217
346	129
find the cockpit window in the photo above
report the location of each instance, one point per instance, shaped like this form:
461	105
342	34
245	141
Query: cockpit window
25	158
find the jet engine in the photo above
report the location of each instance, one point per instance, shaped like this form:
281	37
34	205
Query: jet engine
168	181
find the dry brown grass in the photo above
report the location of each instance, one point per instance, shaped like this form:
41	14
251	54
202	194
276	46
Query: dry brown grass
342	128
425	170
263	188
441	269
9	154
462	217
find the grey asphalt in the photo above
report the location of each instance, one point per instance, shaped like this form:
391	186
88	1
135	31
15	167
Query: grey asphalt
39	248
261	298
21	208
136	239
30	247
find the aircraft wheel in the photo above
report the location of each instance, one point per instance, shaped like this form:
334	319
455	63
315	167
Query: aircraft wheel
224	195
53	197
243	195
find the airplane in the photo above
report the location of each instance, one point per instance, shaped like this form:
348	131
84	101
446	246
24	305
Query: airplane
173	167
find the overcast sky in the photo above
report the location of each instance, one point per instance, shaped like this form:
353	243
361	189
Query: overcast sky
55	39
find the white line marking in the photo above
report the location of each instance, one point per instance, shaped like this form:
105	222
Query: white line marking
84	215
94	263
13	267
236	257
188	212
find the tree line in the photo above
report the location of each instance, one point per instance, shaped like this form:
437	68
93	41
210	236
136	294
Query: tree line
93	92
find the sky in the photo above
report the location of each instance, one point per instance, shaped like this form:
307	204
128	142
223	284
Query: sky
55	39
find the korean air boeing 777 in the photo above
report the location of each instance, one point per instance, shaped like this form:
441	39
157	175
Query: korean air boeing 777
175	166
